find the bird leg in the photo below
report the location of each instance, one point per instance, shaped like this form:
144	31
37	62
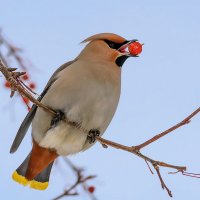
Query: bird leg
91	137
58	117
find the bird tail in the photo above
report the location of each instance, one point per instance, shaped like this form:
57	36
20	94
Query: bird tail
40	182
36	168
19	174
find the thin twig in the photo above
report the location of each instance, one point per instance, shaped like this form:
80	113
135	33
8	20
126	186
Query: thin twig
13	50
80	180
158	136
149	167
163	185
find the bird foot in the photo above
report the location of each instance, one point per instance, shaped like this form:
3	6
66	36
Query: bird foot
59	116
93	133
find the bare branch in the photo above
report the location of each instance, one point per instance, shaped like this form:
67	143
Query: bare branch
80	180
84	184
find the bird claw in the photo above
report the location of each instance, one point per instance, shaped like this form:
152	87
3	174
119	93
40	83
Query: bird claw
93	133
59	116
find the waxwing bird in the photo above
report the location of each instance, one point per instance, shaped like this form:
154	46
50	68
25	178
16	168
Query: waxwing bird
85	92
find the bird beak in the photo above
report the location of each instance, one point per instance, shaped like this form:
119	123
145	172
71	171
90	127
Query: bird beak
124	48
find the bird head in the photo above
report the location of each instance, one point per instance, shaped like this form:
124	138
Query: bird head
105	47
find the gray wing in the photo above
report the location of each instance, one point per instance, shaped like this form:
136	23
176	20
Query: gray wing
29	117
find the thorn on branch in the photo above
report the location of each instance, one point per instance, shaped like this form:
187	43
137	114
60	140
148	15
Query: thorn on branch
188	121
175	172
11	69
104	146
16	75
12	92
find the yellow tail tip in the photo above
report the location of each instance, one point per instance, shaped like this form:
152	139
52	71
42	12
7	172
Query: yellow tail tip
38	185
33	184
20	179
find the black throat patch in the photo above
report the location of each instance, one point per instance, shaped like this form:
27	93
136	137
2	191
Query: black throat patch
120	60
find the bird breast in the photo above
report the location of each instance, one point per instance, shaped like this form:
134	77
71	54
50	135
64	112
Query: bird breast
88	93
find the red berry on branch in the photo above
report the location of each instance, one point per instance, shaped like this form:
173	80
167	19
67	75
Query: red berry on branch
7	84
25	77
26	100
32	85
91	189
135	48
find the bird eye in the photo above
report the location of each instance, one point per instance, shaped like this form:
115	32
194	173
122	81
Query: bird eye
111	44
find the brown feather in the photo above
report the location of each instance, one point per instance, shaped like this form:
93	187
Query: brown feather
40	158
105	36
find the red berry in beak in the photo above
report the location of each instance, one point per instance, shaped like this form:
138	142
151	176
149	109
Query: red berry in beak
135	48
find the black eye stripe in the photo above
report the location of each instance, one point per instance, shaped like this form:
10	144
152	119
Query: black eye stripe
114	45
111	44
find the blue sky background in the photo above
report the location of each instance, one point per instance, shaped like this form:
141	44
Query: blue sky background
159	89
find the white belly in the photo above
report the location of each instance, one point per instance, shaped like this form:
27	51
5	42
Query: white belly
65	139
